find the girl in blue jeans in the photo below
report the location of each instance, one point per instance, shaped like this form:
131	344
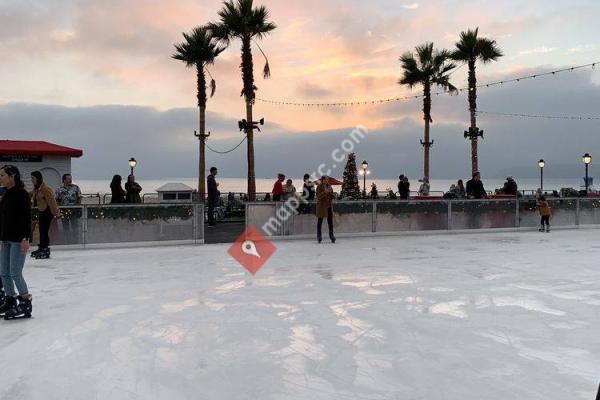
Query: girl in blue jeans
15	233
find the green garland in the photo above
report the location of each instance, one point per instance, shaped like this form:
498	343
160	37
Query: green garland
137	213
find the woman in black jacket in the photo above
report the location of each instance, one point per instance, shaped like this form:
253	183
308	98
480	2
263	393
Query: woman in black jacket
116	191
132	190
15	233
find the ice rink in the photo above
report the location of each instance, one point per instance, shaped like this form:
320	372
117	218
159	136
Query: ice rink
451	317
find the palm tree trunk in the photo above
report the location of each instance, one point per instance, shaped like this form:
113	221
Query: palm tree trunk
248	78
427	117
250	139
201	81
473	114
202	158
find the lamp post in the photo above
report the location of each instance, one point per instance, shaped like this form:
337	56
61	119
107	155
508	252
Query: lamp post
132	164
541	164
587	159
364	172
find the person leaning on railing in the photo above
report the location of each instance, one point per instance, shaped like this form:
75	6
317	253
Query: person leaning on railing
475	189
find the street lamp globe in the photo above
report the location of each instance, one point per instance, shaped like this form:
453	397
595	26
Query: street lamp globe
132	162
364	165
587	158
541	163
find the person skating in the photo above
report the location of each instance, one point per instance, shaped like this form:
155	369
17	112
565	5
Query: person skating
43	198
15	234
545	214
325	208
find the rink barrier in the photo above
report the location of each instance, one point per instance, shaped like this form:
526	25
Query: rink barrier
125	225
364	218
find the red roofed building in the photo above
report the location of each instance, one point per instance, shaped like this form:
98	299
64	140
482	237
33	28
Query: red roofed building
50	159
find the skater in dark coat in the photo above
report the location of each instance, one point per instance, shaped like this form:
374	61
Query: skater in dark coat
43	198
15	234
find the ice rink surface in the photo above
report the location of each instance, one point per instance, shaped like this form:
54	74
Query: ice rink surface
451	317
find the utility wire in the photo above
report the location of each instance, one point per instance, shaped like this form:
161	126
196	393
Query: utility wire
569	117
228	151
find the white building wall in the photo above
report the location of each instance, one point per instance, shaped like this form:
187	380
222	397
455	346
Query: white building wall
51	167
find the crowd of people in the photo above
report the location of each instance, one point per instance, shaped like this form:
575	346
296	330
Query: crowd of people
474	189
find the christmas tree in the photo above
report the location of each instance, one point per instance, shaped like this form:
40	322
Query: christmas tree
350	188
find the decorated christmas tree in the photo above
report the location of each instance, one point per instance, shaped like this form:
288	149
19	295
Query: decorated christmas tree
350	188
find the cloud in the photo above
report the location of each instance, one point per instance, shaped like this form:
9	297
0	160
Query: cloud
411	6
163	141
584	48
538	50
310	90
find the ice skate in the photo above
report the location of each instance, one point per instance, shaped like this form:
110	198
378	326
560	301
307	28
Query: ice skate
43	254
21	310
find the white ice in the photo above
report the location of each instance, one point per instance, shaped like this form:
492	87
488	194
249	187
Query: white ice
478	316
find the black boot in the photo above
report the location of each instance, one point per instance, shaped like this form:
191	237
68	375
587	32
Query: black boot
10	302
43	254
36	252
22	310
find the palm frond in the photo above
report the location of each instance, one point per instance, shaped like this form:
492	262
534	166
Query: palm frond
267	68
213	83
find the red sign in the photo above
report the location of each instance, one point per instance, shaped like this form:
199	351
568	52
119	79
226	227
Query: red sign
252	250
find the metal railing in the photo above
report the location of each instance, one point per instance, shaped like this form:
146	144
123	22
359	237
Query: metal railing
118	224
368	217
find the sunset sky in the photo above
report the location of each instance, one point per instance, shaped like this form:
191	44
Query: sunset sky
98	75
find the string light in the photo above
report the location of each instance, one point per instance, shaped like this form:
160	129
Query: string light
569	117
405	98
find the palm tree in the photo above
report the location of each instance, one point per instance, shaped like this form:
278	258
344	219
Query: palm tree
239	19
470	49
199	50
427	67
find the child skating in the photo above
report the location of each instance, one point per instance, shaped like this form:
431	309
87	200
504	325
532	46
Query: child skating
545	213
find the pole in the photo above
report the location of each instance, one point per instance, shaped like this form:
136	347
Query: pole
542	179
365	182
586	179
131	170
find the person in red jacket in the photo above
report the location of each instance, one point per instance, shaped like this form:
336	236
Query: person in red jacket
278	188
